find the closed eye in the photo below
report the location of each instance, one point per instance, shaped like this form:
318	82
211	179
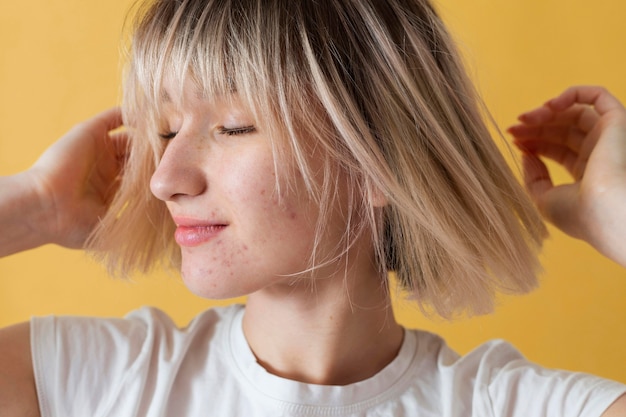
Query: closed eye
237	130
168	135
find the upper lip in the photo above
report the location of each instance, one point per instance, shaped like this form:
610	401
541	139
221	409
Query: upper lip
194	222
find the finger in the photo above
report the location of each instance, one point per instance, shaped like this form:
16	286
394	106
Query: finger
98	127
582	117
529	135
120	141
560	154
587	119
598	97
539	115
537	178
560	207
556	204
109	120
115	140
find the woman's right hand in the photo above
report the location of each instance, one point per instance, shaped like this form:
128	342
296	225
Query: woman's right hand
62	196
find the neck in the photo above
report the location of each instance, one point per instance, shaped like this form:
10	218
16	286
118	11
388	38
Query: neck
332	331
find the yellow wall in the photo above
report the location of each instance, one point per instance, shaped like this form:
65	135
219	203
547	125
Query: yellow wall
59	64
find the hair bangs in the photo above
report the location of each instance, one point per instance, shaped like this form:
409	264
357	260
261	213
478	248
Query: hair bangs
362	96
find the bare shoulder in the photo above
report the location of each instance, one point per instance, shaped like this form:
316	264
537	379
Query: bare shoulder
617	409
18	395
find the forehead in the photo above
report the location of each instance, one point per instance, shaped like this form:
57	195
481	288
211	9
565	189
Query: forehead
188	95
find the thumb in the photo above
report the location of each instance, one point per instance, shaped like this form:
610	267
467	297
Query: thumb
558	205
536	176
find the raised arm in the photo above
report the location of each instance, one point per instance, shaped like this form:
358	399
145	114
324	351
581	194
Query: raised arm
584	130
60	198
59	201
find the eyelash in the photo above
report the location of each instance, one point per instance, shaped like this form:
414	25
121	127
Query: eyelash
168	135
222	130
237	130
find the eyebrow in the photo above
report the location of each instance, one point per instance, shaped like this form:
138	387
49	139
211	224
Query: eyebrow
165	96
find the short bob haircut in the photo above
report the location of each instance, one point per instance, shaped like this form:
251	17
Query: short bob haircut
379	92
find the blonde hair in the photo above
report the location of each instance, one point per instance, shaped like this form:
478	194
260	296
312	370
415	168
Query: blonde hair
379	88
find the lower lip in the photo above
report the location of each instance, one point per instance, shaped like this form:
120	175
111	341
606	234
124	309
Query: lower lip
191	236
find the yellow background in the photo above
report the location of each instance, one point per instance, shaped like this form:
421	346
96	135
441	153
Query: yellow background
59	63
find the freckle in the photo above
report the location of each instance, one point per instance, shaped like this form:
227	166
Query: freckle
262	192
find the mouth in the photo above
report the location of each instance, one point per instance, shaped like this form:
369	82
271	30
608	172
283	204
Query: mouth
191	233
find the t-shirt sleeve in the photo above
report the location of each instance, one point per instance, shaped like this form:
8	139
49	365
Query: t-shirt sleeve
81	364
507	384
136	366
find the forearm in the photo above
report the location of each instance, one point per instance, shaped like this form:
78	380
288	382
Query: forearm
22	215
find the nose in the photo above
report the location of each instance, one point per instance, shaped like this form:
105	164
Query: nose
179	172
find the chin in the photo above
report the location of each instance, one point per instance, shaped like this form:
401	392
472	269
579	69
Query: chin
213	285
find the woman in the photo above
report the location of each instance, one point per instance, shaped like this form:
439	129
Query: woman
296	152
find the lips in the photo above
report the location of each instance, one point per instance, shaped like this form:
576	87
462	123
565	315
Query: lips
190	233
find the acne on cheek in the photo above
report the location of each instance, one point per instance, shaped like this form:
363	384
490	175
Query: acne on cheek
236	257
290	213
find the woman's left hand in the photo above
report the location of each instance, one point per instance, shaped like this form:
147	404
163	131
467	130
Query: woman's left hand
584	130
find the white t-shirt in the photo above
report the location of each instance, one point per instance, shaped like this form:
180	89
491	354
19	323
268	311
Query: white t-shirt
143	365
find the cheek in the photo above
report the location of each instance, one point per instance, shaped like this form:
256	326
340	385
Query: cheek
284	224
273	221
253	191
283	217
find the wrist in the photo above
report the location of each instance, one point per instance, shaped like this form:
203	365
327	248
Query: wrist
605	225
24	213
